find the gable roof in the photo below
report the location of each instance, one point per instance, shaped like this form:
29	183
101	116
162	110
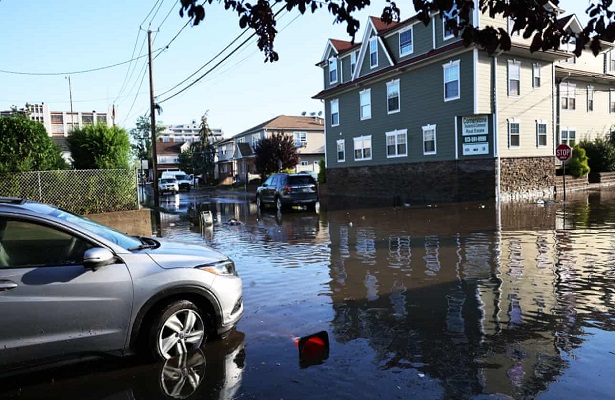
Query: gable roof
287	122
245	150
342	45
382	27
168	148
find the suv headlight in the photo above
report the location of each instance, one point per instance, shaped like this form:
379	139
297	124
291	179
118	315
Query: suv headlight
226	267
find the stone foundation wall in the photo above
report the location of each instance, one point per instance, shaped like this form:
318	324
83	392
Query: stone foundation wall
416	183
527	178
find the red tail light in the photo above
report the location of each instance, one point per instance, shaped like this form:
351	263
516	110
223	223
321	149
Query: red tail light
288	189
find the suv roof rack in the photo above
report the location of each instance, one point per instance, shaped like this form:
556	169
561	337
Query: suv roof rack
11	200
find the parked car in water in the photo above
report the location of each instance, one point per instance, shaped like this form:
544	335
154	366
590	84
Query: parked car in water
168	185
71	286
285	190
184	180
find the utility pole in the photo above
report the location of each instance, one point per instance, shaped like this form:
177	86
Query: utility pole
70	94
153	119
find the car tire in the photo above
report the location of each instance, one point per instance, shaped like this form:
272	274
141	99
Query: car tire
278	204
259	202
176	329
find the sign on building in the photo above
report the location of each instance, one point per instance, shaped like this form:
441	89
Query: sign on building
475	134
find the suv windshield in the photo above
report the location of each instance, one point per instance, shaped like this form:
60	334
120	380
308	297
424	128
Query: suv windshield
168	180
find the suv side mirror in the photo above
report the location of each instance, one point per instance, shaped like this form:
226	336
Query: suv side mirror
97	257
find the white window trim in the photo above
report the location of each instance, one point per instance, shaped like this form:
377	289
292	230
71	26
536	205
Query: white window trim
426	128
590	90
410	28
394	81
611	100
444	35
541	122
517	64
337	107
510	122
396	133
369	92
452	64
333	61
373	40
536	67
343	143
568	85
568	130
354	147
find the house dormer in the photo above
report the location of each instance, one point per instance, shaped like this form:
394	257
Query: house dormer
338	62
374	54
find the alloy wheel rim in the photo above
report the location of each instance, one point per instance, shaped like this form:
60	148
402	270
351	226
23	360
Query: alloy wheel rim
183	331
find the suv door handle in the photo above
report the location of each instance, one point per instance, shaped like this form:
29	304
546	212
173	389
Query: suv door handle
7	285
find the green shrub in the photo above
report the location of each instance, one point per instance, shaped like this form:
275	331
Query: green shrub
578	162
601	154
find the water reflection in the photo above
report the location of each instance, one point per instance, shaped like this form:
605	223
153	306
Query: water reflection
212	373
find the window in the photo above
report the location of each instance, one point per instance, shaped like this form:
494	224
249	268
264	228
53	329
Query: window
514	78
511	25
569	48
353	62
57	119
429	139
366	104
255	139
305	163
87	119
26	244
569	137
341	150
373	52
536	75
393	96
451	80
452	14
612	60
363	148
300	139
101	119
514	134
568	94
541	133
332	70
612	101
405	42
335	112
590	98
396	143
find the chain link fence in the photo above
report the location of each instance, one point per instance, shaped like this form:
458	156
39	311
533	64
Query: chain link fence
80	191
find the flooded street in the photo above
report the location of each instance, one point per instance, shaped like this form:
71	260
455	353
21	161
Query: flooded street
460	301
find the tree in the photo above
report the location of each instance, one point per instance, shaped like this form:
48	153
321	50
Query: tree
99	147
141	135
601	154
275	153
530	18
26	146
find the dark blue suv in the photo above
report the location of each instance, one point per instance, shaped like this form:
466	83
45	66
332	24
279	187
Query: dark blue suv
286	190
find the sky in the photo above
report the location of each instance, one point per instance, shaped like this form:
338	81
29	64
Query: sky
46	42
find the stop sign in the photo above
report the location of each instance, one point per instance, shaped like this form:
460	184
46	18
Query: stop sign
563	152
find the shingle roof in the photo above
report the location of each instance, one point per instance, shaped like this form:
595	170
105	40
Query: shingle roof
343	45
244	149
165	148
382	26
288	122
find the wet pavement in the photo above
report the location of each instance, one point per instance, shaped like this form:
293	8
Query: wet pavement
457	301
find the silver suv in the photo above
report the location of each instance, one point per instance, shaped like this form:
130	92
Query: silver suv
70	286
168	185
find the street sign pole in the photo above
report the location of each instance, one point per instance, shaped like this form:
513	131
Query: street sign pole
563	152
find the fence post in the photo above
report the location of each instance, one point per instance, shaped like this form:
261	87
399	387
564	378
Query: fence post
40	187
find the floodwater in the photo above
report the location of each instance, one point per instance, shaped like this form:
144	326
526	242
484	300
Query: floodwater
460	301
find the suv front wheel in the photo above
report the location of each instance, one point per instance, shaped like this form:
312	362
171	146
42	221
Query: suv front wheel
259	202
178	328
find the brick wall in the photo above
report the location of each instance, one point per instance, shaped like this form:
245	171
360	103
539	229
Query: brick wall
416	183
526	178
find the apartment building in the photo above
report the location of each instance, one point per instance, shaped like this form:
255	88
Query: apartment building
413	115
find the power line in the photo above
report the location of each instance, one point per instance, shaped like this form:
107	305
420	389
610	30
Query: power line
211	60
150	12
74	72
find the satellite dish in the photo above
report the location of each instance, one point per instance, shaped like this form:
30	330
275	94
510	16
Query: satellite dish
303	113
312	114
319	113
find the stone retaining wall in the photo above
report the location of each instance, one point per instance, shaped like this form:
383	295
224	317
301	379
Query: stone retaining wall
527	178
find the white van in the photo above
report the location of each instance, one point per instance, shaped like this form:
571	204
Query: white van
185	181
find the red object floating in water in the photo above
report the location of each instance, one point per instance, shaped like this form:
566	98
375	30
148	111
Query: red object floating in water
313	349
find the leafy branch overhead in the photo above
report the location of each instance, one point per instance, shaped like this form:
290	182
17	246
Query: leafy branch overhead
531	19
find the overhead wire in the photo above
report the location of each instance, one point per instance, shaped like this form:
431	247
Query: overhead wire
210	61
